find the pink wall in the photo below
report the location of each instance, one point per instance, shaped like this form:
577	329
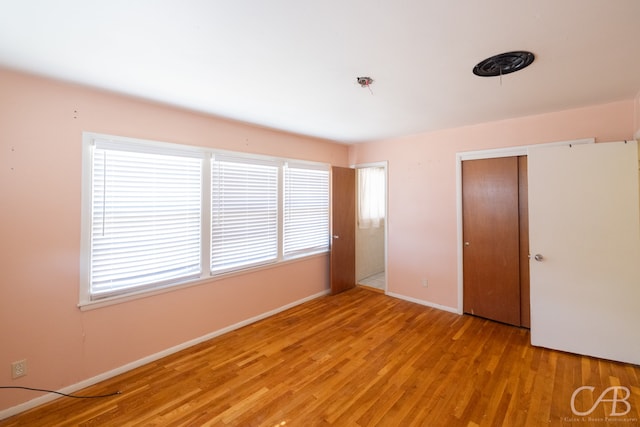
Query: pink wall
422	234
41	122
41	125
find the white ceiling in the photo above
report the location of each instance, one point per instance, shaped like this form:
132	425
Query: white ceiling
292	64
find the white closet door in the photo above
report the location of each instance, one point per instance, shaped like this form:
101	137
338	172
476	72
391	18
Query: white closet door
585	223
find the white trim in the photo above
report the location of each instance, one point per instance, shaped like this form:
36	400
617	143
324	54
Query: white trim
384	164
105	302
87	148
522	150
636	116
460	308
89	137
425	303
151	358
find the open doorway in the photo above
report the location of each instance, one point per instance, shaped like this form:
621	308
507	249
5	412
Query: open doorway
371	226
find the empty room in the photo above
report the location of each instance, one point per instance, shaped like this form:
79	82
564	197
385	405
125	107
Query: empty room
345	213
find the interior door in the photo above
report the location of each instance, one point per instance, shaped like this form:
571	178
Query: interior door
490	215
343	235
585	242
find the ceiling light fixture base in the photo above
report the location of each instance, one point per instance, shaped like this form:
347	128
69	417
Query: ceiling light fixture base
364	81
503	63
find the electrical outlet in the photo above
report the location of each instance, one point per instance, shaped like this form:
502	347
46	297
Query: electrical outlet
424	283
19	368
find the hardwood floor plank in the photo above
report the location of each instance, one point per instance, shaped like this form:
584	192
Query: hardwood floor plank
359	358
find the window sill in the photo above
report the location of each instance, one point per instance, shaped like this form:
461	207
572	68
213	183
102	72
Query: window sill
105	302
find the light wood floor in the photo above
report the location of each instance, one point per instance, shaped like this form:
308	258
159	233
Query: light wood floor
356	359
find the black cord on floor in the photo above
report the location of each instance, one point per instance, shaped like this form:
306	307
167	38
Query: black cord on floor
115	393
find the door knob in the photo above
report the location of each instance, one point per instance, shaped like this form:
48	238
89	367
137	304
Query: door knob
538	257
467	243
335	236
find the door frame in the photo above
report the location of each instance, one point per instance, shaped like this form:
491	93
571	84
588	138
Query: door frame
383	164
519	150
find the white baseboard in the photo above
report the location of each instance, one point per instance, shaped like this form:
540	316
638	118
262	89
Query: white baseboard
6	413
423	302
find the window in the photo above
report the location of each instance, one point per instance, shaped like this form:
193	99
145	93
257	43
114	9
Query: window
157	215
306	209
371	197
145	219
244	212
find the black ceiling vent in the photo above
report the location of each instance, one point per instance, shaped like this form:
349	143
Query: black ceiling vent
503	63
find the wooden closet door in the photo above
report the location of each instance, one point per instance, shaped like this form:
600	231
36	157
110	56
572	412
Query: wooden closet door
490	206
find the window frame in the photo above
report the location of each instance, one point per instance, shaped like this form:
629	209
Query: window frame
207	154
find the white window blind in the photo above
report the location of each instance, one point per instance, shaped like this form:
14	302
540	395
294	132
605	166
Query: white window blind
244	212
306	209
146	219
